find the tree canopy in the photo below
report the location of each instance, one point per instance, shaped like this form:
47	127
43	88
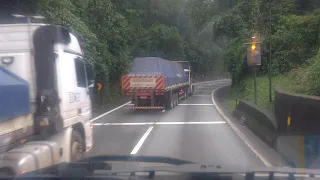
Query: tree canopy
210	34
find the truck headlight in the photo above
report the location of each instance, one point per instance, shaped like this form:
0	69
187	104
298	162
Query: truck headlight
7	60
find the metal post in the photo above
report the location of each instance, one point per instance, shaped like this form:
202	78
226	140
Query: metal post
269	72
255	84
100	98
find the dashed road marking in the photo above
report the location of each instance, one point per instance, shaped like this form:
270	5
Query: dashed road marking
143	138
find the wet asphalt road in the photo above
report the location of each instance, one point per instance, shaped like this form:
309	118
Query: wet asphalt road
192	131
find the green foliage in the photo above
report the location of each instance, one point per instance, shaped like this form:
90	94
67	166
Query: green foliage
245	89
113	32
312	77
295	34
295	41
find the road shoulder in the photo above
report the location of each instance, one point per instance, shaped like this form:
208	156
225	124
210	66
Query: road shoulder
266	154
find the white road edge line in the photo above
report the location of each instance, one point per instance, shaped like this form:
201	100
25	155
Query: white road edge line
96	118
143	138
238	132
195	104
175	123
201	95
158	123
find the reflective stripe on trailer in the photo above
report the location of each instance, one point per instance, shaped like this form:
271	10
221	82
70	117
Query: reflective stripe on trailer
144	107
160	83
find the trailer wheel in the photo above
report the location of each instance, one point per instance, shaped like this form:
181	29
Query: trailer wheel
191	91
174	99
177	99
170	102
185	95
76	149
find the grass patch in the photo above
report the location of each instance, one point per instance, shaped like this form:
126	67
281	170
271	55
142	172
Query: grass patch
245	90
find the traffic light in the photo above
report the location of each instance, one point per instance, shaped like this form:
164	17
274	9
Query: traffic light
253	47
254	54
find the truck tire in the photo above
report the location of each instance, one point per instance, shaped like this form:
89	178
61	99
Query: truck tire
175	100
191	91
77	147
170	102
185	95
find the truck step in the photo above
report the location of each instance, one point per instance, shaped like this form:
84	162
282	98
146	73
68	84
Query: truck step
145	107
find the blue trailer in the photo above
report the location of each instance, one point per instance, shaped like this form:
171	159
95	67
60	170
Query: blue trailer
156	83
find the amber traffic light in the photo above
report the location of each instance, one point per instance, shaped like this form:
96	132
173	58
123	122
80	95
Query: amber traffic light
253	47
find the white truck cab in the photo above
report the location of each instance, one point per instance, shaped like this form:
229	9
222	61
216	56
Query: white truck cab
50	60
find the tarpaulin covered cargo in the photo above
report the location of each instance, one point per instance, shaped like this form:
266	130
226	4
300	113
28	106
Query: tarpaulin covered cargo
173	72
14	95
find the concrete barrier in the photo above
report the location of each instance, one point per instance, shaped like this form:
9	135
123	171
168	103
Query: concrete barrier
297	113
293	138
260	121
298	128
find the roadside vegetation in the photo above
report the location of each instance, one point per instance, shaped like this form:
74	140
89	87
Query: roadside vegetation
295	35
210	34
113	32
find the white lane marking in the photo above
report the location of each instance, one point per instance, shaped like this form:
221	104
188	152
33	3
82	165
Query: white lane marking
175	123
201	95
130	124
238	132
195	104
157	123
143	138
96	118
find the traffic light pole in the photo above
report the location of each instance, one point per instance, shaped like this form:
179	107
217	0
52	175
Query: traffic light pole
269	73
254	61
255	84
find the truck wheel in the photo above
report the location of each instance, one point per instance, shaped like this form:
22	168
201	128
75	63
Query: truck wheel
174	100
191	92
177	99
185	94
76	149
170	103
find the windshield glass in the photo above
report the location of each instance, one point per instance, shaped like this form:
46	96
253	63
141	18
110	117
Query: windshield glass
252	98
